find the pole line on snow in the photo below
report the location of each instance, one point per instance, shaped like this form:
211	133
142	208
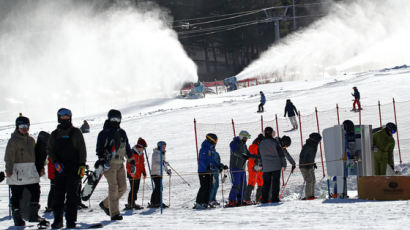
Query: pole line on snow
277	126
233	128
300	129
196	142
337	111
380	113
397	133
320	143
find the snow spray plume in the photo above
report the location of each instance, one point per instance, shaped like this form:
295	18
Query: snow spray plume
354	36
88	57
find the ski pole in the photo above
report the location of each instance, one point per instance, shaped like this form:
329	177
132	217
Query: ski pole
179	175
161	173
169	185
132	193
149	168
143	190
284	186
222	184
9	203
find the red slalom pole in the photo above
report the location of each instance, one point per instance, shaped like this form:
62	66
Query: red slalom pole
233	127
196	142
262	123
380	114
277	126
397	133
320	143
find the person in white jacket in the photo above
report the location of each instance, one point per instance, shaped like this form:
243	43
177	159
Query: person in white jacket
156	174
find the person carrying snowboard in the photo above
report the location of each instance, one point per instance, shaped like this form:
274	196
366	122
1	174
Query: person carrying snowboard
134	179
254	176
307	164
21	171
356	95
383	145
66	150
291	110
156	174
263	101
112	147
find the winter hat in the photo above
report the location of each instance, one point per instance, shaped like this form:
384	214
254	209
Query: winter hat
114	115
141	143
285	141
63	112
348	126
315	137
391	127
243	134
212	138
269	132
22	121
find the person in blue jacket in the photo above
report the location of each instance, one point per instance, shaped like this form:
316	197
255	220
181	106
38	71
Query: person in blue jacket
263	100
206	162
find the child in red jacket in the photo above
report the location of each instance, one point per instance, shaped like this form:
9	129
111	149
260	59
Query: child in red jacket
134	179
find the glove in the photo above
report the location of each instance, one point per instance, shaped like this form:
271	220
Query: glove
81	171
293	168
99	162
315	166
59	167
169	172
166	164
257	168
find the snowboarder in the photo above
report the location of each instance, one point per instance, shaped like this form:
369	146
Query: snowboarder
21	171
291	110
206	163
263	100
272	159
112	136
237	164
383	145
356	95
307	164
254	177
156	174
85	127
134	179
66	150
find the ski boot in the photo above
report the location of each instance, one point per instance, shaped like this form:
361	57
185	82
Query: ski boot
200	206
117	217
58	219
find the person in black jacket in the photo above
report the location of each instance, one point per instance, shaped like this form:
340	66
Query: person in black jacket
66	150
307	164
356	95
291	110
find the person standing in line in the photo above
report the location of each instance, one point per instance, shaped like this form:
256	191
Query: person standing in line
156	174
66	150
134	179
291	111
112	147
383	145
307	164
263	101
254	177
356	95
21	171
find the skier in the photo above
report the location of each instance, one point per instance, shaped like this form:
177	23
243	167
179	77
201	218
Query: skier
291	110
85	127
263	100
206	162
156	174
21	171
238	158
254	177
134	179
307	164
272	159
66	150
383	145
356	95
112	147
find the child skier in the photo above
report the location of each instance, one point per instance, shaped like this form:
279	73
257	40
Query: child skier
356	95
156	174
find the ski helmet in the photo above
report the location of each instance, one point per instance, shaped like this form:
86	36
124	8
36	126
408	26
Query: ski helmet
22	121
315	137
160	144
269	132
348	126
63	112
391	127
212	138
285	141
114	115
243	134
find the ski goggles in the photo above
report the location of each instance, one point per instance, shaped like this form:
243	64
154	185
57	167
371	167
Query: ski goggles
23	126
115	119
64	112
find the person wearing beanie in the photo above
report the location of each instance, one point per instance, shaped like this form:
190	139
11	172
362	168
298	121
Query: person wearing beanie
134	179
21	171
67	151
307	164
112	147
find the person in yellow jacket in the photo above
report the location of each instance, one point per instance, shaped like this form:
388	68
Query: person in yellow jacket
383	145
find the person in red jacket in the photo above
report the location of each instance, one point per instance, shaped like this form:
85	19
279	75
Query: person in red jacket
134	179
255	176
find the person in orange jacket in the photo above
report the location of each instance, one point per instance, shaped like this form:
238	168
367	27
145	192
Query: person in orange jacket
134	179
254	177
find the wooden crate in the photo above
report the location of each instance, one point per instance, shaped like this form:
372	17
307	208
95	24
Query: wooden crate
384	187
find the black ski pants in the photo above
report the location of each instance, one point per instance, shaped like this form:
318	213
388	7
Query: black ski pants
156	193
66	186
271	184
134	187
17	193
260	107
206	184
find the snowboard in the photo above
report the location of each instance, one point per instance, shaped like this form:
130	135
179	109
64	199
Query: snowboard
93	177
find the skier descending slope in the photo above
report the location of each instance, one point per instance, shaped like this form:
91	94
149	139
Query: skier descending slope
66	149
114	164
